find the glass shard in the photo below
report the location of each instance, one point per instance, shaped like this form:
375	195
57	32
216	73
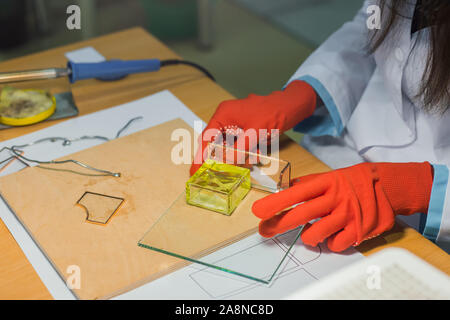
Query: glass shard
99	207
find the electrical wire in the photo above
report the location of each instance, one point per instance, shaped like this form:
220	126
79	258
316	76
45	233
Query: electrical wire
17	150
172	62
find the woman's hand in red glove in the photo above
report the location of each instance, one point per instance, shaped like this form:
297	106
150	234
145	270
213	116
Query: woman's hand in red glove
351	204
280	110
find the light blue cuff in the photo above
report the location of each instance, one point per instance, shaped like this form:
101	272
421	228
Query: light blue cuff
321	124
437	200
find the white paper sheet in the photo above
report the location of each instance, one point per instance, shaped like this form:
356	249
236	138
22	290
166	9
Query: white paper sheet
84	55
303	265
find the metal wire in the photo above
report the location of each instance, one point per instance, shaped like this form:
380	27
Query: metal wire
65	142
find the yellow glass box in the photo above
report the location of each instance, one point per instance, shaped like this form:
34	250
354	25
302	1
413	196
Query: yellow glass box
218	186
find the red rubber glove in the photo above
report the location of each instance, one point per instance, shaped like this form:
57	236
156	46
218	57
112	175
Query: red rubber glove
354	204
280	110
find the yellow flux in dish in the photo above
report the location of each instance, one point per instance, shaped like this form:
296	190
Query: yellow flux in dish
23	107
218	186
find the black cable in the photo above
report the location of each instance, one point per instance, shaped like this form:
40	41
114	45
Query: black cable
172	62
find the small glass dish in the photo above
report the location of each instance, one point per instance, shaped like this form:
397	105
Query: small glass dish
218	187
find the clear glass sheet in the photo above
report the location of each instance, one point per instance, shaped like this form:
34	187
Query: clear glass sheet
194	234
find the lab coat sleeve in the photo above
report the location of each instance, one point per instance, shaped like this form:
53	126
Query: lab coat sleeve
339	71
437	224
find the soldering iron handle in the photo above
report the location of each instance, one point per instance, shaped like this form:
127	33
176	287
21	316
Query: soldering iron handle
111	70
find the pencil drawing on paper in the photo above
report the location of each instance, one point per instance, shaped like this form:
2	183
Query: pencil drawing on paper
207	278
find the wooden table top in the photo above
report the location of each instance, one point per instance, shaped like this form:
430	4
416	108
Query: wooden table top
18	279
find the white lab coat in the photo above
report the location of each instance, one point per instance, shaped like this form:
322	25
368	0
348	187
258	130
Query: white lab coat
368	110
